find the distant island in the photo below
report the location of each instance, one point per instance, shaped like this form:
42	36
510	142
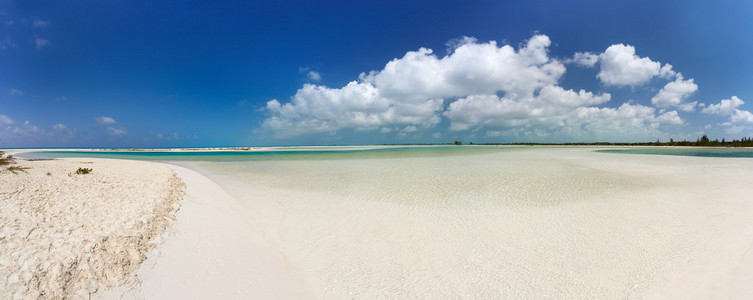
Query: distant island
703	141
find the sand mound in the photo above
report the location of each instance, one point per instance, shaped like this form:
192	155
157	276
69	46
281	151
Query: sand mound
66	235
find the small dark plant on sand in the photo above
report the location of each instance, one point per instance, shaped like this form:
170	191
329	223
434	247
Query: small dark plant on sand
83	171
16	169
4	161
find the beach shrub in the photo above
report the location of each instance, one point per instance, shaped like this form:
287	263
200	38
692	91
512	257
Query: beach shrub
83	171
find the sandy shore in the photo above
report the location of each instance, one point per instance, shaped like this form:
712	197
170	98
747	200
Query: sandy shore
65	235
531	223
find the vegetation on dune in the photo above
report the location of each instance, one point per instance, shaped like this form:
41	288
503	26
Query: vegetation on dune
83	171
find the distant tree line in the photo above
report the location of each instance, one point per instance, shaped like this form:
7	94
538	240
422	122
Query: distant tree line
703	141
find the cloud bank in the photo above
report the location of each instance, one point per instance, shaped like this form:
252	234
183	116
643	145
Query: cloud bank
491	89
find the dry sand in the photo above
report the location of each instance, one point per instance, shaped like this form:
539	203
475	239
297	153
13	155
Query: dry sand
64	235
535	223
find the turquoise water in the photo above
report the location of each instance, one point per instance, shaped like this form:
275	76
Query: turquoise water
292	153
702	152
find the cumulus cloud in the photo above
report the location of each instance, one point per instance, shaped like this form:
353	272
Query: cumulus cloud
725	107
357	105
491	110
499	90
16	92
729	107
621	67
116	131
411	91
41	42
674	93
472	68
742	116
59	127
105	120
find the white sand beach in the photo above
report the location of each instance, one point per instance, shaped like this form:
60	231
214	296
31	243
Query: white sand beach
66	235
530	223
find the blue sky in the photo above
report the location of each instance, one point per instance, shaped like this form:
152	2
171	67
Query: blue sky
191	73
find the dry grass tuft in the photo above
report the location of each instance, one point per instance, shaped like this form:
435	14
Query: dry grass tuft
16	169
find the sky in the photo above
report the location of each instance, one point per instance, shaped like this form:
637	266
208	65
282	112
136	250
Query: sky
262	73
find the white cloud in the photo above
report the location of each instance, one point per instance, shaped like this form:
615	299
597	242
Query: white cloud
59	127
41	42
725	107
621	67
40	23
667	72
16	92
671	118
491	110
728	107
116	131
586	59
673	94
410	91
627	122
314	76
489	88
6	120
473	68
105	120
9	22
741	116
357	105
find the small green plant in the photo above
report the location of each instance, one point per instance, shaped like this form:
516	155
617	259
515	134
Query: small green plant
16	169
83	171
